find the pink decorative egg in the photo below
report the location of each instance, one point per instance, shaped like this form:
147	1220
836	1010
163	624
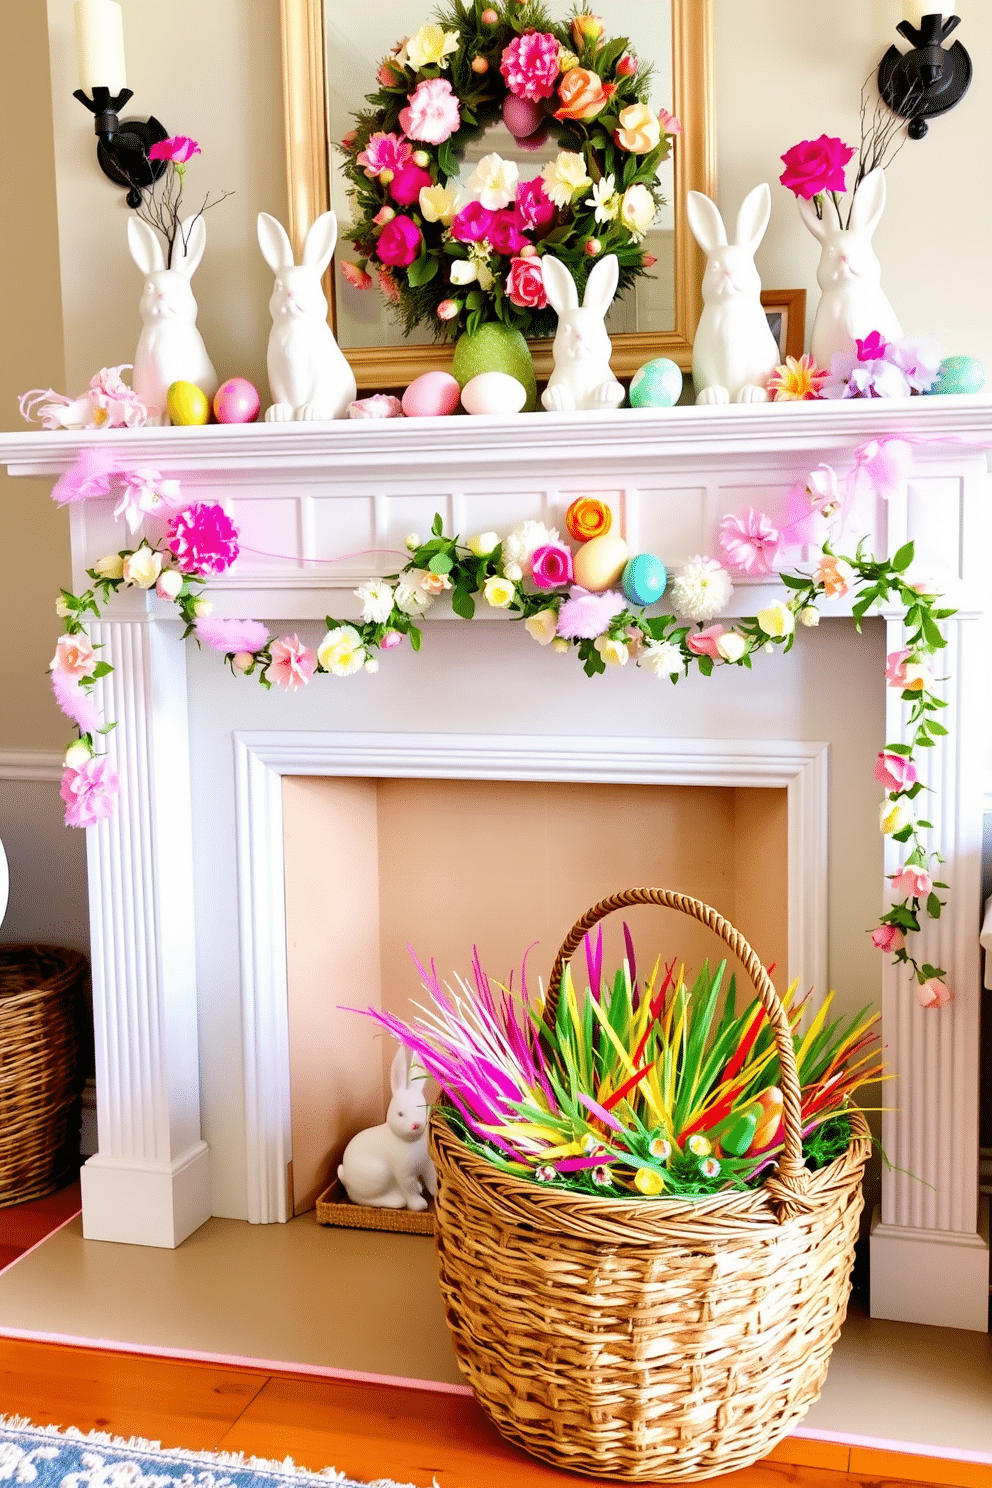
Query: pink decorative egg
432	395
521	116
236	401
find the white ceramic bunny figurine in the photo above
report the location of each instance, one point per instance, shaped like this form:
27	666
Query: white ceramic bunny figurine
852	304
388	1166
581	377
734	352
170	348
308	373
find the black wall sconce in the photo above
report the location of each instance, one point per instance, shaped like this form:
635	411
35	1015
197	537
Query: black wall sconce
122	147
930	79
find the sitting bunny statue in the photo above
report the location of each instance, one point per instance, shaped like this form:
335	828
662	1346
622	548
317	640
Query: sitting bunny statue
170	348
582	377
308	372
734	351
388	1166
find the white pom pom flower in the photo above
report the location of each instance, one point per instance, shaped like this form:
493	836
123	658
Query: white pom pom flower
701	590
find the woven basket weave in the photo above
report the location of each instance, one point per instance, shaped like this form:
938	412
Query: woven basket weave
40	1069
662	1339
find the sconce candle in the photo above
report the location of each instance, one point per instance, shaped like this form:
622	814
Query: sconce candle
100	45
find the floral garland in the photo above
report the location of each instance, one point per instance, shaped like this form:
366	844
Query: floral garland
530	574
453	259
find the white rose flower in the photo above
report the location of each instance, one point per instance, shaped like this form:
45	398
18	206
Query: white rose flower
494	182
701	590
637	210
141	568
411	596
439	204
372	665
499	593
520	545
111	567
542	626
731	645
77	754
377	601
564	176
464	271
341	651
483	544
663	657
614	653
777	619
170	581
809	615
412	541
893	816
202	608
560	645
62	609
513	571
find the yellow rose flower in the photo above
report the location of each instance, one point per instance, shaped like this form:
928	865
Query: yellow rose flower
439	204
341	651
893	816
542	626
614	653
499	593
640	130
431	47
564	176
777	620
731	645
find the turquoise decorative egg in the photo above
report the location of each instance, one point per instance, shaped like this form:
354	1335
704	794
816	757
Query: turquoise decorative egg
644	579
657	384
959	374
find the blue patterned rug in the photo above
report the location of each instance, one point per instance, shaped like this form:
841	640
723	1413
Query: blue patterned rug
46	1457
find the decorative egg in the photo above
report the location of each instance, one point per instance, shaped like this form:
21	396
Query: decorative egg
187	404
236	401
738	1132
644	579
432	395
600	562
493	392
522	116
658	384
960	374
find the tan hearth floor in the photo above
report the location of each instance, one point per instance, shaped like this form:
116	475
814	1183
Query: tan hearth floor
304	1295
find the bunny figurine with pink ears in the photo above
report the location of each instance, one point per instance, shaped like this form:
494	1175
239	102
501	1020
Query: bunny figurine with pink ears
388	1166
309	374
852	304
582	377
734	352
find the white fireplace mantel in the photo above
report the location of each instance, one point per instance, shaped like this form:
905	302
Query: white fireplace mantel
200	764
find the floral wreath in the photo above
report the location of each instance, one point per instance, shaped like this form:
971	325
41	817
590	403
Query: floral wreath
531	573
452	259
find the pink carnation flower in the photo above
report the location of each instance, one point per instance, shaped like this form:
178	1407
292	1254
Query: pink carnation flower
384	152
750	543
232	635
585	616
551	566
530	65
533	207
89	792
292	664
432	114
203	539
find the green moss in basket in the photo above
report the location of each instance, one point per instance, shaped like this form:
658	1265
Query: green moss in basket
653	1089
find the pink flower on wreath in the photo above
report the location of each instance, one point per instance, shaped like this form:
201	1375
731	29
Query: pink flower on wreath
888	938
530	65
815	166
398	246
533	208
388	285
178	150
472	223
933	993
504	235
704	642
407	184
390	639
202	539
912	883
551	566
894	771
292	664
525	284
750	542
669	123
231	635
356	277
74	656
384	152
89	792
432	114
585	616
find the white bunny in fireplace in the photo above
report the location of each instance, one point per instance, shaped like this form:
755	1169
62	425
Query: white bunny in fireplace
388	1166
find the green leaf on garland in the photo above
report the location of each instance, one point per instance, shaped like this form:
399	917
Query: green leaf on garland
437	526
440	564
415	637
102	669
934	906
462	602
903	558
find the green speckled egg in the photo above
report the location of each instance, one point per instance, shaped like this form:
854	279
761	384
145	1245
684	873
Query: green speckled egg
958	374
657	384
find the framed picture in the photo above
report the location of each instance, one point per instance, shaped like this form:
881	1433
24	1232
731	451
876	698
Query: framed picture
786	312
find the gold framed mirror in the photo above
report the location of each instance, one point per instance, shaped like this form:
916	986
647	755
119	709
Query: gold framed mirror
694	168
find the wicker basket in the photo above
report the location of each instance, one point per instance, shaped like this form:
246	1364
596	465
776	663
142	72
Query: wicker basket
40	1069
664	1339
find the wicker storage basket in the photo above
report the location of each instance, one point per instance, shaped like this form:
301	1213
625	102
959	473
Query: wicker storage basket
659	1339
40	1069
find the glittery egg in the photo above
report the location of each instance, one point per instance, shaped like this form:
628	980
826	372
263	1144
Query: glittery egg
644	579
493	392
600	562
187	404
657	384
236	401
431	395
960	374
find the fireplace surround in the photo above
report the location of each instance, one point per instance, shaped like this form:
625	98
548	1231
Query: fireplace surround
186	889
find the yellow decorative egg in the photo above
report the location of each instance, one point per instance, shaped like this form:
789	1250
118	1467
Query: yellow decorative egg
187	404
600	562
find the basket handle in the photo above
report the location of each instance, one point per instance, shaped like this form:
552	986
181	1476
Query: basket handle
788	1187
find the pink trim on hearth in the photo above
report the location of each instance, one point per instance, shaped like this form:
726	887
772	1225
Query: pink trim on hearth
886	1444
47	1236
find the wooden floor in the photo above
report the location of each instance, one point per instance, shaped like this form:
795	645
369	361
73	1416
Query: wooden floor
367	1431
